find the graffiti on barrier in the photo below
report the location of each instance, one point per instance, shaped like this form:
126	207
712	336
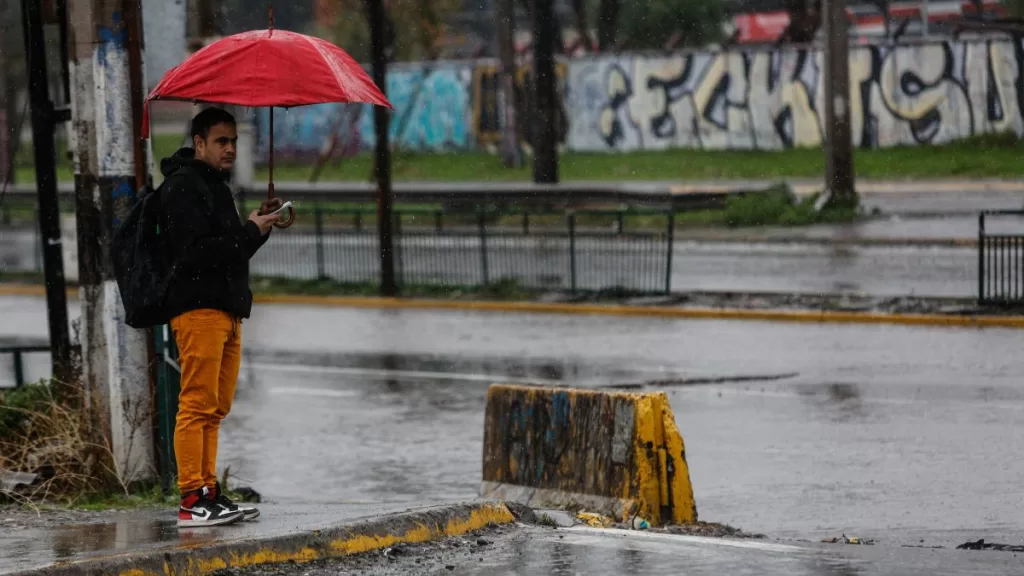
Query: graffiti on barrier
432	112
488	121
432	108
302	133
900	95
765	99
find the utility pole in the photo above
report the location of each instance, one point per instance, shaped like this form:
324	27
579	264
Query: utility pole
378	45
45	119
7	124
839	181
545	145
505	19
114	356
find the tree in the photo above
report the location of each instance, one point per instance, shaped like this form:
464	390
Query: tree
658	24
12	81
804	22
414	28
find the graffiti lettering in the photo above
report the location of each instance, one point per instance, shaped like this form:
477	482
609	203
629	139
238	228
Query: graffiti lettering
766	99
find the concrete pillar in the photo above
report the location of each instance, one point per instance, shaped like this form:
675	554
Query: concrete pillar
114	356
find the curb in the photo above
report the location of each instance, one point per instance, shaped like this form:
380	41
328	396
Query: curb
362	536
625	310
949	320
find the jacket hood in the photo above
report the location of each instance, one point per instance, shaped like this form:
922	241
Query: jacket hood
183	157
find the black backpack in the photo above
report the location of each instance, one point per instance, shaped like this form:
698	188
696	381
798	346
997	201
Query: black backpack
140	267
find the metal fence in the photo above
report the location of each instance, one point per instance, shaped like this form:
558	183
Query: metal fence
575	251
1000	261
17	355
622	251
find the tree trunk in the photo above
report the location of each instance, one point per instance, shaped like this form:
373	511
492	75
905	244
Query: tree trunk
511	153
545	146
607	24
579	8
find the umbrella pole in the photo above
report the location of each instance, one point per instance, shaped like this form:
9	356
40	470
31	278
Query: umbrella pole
270	187
284	222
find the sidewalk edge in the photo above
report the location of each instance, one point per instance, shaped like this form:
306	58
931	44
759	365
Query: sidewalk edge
668	312
818	316
351	538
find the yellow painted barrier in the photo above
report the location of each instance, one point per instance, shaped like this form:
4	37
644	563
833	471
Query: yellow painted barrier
616	453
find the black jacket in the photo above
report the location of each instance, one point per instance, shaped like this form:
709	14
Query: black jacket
204	239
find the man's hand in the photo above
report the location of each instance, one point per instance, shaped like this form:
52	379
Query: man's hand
263	222
270	205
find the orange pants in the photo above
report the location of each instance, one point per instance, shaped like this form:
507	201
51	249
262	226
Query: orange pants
210	353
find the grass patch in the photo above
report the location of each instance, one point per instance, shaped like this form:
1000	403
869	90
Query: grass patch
142	497
992	155
48	428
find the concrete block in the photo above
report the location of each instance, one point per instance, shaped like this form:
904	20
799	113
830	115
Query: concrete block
617	453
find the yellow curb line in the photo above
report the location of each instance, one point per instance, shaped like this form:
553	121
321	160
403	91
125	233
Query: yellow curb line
649	311
673	312
200	559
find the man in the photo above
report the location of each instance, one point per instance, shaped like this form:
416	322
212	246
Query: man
208	296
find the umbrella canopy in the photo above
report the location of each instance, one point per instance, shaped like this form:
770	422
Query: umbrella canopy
267	68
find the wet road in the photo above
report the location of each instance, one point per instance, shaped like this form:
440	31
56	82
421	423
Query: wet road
593	551
719	266
897	433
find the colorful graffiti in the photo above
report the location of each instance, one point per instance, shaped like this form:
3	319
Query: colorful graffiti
487	119
900	95
741	99
432	108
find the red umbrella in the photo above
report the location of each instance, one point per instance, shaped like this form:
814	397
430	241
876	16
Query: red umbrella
267	68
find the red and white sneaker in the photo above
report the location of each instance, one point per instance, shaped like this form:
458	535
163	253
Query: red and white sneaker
249	512
198	509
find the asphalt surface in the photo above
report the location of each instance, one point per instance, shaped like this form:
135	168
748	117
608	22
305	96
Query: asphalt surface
531	550
902	434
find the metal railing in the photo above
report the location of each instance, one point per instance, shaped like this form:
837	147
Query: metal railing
591	251
18	359
621	251
1000	263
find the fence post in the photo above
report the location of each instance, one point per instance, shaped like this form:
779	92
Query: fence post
572	252
981	257
671	245
396	245
481	220
321	271
19	370
167	389
526	223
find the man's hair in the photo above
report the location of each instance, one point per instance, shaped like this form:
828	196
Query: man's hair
209	118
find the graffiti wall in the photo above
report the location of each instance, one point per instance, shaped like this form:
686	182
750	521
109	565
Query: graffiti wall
901	95
742	99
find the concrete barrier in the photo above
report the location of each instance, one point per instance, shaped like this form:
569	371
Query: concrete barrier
615	453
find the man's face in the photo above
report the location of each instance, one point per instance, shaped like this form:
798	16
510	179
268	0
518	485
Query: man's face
218	150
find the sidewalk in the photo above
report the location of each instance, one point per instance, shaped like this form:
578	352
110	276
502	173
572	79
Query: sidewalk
149	542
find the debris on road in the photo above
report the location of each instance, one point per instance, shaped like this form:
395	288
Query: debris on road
707	529
595	520
844	539
982	545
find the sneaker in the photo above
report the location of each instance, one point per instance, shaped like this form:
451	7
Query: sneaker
249	511
199	509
